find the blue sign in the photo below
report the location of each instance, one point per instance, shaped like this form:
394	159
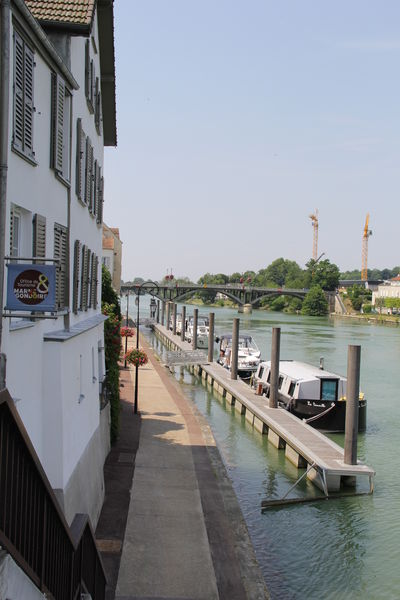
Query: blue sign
31	287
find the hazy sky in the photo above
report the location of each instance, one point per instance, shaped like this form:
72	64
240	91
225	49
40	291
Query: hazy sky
238	118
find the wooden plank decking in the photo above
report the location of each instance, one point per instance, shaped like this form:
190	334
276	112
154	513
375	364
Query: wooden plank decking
304	445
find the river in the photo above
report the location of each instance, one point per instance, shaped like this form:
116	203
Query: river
340	549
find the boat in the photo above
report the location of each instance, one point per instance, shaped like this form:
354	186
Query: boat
203	329
310	393
249	355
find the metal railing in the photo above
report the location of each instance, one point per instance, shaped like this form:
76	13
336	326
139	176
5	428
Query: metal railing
60	561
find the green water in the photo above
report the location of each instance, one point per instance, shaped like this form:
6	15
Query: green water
339	549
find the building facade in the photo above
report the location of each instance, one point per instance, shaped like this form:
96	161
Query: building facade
60	79
112	255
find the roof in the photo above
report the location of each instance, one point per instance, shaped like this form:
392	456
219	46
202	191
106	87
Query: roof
301	371
397	278
115	231
73	12
108	243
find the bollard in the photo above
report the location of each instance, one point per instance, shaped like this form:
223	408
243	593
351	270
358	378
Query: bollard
158	311
162	312
183	326
235	348
174	307
194	336
168	315
275	350
352	400
211	338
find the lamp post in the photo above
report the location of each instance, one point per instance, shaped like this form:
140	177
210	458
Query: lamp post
135	405
126	325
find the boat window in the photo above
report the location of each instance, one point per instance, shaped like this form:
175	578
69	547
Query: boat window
292	388
269	376
260	372
329	389
280	381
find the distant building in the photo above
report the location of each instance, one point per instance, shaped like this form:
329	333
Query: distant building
112	255
389	289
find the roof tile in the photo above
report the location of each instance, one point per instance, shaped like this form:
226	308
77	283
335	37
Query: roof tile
76	12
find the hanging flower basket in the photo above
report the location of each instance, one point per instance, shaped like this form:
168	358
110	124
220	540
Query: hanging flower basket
136	357
127	332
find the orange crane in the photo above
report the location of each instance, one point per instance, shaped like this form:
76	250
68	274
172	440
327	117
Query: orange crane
364	258
314	223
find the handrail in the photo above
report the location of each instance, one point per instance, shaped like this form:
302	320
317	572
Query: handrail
60	560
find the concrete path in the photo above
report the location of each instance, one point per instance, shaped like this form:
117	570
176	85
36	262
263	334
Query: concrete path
185	537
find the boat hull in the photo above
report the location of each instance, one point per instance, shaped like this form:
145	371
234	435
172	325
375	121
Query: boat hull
333	421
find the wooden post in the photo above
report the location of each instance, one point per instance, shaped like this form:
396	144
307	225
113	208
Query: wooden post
174	307
194	336
183	328
352	400
162	312
158	312
168	315
274	380
211	338
235	348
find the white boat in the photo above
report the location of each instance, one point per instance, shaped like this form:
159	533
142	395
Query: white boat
203	328
310	393
249	355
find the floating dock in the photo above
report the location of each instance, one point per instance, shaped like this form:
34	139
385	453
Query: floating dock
304	446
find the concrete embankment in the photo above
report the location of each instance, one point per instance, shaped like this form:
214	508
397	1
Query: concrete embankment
185	535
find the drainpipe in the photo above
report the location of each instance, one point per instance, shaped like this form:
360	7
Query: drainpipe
4	113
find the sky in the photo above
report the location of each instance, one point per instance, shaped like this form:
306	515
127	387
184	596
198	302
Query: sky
236	119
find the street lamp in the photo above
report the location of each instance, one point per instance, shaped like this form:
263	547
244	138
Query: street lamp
153	284
126	324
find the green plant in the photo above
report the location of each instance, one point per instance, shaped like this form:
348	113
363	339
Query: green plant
136	357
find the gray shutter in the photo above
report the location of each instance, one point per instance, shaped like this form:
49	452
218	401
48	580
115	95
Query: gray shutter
97	99
96	281
39	236
85	277
58	106
80	141
11	230
18	137
90	279
93	197
88	171
87	69
29	64
76	274
100	201
60	253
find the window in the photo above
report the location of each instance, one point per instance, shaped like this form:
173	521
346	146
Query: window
80	162
329	389
23	97
89	167
85	278
15	232
97	107
20	232
61	121
61	253
39	236
280	381
292	387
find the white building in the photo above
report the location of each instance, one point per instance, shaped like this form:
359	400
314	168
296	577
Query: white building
61	113
389	289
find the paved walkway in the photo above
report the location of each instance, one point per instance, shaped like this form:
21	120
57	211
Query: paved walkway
185	537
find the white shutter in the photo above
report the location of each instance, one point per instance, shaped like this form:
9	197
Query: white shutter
39	236
28	100
61	253
58	106
18	137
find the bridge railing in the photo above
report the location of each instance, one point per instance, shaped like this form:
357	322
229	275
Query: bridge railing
60	561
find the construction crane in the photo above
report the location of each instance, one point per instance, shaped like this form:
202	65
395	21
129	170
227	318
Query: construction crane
364	258
314	222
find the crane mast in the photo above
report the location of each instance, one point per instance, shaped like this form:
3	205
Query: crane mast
314	223
364	258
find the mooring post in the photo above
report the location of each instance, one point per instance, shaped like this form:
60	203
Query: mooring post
174	307
194	336
211	337
168	315
352	400
162	312
183	326
235	348
275	351
158	312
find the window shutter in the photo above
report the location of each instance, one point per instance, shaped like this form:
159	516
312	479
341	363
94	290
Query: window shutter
85	277
93	196
60	253
39	236
87	69
12	232
88	171
80	165
75	291
96	281
29	64
58	93
90	279
100	201
97	110
18	91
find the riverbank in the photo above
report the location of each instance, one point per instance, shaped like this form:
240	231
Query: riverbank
370	318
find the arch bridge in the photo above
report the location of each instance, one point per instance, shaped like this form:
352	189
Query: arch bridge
239	294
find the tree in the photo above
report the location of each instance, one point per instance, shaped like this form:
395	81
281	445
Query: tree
315	302
322	273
